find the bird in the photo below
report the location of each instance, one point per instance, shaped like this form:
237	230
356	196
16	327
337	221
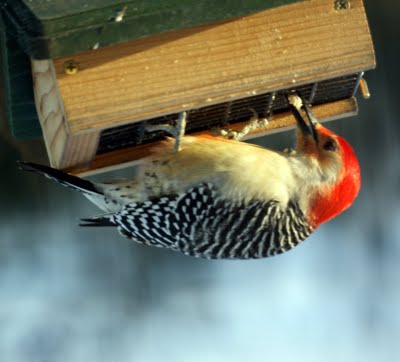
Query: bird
220	198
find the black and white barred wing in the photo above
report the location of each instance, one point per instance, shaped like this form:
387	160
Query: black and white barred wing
202	224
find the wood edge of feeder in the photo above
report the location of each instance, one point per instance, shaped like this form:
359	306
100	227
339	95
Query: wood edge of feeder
64	148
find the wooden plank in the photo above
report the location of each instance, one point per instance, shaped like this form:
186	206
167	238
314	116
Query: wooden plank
281	122
64	149
294	44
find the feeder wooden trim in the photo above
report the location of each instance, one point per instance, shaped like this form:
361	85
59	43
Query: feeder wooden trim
63	147
280	122
298	43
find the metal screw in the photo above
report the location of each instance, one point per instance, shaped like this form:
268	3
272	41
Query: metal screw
71	67
342	5
364	89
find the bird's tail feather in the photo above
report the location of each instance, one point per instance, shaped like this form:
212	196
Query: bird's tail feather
61	177
101	220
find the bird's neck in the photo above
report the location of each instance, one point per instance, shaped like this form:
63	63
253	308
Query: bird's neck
320	195
330	202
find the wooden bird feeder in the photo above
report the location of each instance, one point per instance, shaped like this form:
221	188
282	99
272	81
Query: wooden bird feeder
101	72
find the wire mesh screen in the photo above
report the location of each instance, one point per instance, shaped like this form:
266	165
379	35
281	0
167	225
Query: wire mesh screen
224	114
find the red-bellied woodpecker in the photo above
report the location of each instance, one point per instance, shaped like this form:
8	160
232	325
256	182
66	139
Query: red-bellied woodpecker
225	199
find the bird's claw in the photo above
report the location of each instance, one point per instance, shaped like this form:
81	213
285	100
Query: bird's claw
255	123
177	131
290	151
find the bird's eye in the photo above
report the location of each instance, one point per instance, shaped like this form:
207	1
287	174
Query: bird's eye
329	145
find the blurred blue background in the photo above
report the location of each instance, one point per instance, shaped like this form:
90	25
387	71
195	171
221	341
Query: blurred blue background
71	294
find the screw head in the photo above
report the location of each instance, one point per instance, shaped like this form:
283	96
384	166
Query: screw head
342	5
71	67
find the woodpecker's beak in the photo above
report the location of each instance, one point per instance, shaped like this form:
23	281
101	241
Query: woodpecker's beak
301	123
313	121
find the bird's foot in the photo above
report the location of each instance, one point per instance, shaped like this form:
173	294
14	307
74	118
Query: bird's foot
177	131
254	123
290	151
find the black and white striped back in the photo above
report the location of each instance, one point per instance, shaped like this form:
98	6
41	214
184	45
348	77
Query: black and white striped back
202	224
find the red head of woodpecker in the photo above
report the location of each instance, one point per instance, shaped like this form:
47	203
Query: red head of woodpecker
334	159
